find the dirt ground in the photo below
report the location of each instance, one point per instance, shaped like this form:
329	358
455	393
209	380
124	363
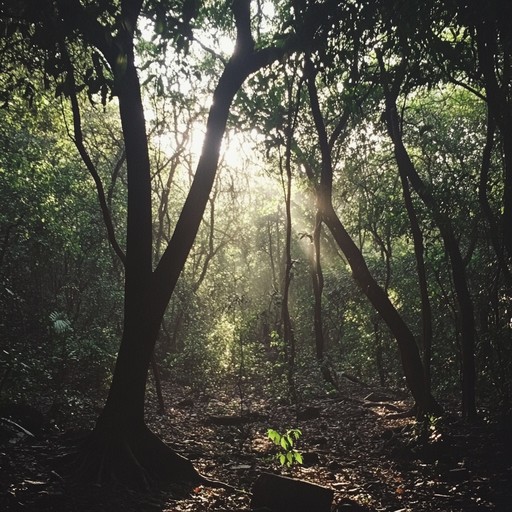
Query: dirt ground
353	442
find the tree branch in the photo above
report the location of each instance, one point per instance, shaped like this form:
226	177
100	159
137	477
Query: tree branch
75	15
242	13
79	143
323	139
242	64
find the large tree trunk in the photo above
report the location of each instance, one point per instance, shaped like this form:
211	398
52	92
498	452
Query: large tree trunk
121	446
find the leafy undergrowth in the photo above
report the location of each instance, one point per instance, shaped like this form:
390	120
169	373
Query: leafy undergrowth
353	443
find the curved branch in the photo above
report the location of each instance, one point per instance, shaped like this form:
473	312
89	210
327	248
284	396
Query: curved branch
78	139
409	353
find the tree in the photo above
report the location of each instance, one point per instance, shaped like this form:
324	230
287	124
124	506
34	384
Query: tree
411	361
121	446
492	37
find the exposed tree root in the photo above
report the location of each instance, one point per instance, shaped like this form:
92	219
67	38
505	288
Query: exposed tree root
136	458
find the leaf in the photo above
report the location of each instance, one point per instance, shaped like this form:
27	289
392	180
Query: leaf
60	323
274	436
296	433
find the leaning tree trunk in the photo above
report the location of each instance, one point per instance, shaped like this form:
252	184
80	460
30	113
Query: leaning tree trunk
409	353
464	300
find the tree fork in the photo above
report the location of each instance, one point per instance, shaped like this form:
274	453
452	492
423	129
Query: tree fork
121	447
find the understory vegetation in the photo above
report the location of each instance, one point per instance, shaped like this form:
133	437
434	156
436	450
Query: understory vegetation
61	286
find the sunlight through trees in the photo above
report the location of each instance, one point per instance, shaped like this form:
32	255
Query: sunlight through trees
257	197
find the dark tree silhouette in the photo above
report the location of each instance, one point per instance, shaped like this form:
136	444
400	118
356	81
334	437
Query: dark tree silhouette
121	445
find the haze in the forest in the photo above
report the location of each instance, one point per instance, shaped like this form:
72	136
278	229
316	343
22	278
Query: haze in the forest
259	198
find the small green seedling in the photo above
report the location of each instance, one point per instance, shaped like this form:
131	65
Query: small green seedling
287	454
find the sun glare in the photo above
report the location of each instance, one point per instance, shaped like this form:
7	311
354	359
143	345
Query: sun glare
237	150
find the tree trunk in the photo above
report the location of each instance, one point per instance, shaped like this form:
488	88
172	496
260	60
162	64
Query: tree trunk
158	385
126	396
386	251
490	217
488	38
426	309
379	351
288	333
317	279
121	447
465	303
409	353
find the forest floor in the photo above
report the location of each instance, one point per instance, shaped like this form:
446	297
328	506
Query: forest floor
352	442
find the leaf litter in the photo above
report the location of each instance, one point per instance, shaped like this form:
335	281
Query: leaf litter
371	457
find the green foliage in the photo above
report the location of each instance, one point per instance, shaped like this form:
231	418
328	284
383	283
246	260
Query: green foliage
60	324
285	442
61	286
60	299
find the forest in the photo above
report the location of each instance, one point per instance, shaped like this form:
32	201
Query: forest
255	255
